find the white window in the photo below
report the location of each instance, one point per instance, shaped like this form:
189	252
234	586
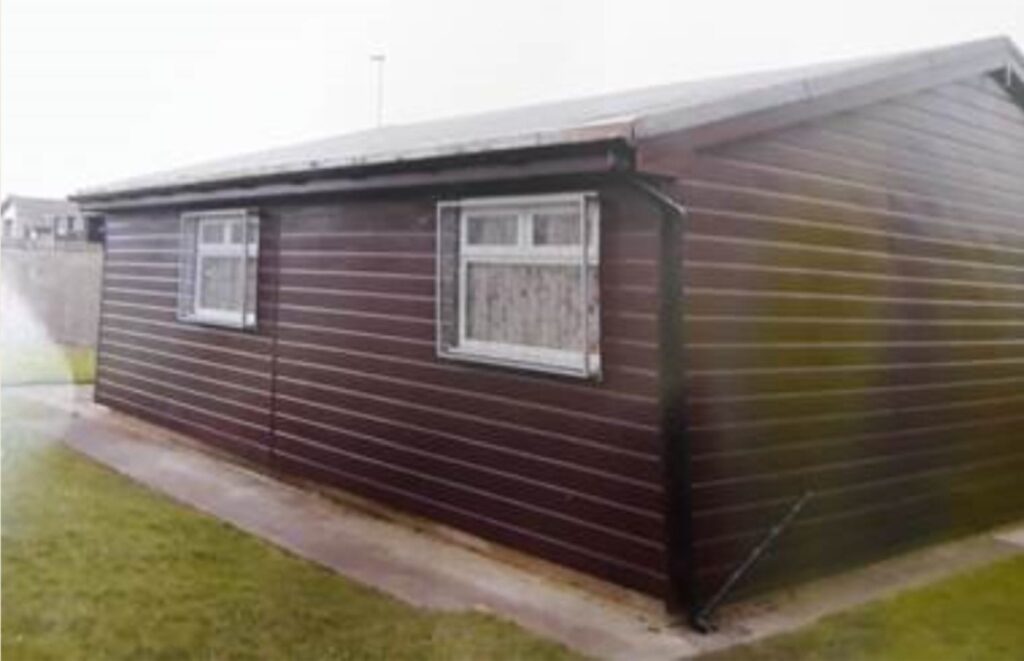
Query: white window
518	282
219	259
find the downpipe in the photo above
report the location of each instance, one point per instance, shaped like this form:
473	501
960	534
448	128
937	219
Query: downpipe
699	615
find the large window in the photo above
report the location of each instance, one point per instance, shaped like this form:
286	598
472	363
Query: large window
518	282
219	253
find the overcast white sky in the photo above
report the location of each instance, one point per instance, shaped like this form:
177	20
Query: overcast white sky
97	90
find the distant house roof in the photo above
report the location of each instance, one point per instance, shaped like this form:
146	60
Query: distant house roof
39	209
627	116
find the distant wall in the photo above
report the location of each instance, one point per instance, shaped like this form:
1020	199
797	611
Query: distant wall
58	289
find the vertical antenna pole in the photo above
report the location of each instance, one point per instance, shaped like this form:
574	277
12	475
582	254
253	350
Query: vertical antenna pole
378	59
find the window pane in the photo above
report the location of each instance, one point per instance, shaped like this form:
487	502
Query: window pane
252	270
593	234
529	304
556	229
237	230
220	284
211	232
187	268
492	230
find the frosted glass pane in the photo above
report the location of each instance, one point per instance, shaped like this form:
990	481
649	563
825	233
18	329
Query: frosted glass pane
237	231
530	305
211	232
556	229
492	230
220	284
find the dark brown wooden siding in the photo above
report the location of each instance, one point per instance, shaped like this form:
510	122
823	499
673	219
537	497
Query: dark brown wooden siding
564	469
209	383
854	324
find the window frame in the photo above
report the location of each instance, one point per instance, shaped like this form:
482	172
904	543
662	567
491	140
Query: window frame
245	318
585	254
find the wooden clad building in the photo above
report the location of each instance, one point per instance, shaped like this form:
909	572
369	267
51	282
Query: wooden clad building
622	333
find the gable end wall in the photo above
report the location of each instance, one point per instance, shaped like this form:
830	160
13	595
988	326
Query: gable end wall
854	325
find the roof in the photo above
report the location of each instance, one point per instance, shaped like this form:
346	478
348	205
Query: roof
627	116
38	209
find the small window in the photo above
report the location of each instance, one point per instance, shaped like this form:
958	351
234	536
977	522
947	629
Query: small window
554	228
218	269
518	282
496	229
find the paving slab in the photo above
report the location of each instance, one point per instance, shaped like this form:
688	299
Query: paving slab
425	570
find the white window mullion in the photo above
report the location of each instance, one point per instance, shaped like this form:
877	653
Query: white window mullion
244	284
197	295
463	321
584	285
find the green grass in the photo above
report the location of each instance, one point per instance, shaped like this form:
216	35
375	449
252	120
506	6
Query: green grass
97	567
47	364
977	615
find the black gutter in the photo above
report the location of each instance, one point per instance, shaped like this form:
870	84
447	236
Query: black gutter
602	157
676	454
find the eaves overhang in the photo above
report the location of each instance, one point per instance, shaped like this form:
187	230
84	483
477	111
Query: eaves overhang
609	154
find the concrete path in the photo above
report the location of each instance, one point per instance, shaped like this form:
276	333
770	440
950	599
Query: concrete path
415	567
426	571
1013	536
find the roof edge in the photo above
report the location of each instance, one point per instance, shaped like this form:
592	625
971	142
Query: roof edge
835	92
1012	75
590	160
831	88
610	131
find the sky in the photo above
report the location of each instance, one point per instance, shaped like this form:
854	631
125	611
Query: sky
92	91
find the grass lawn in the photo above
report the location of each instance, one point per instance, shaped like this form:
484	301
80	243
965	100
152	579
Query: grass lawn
47	364
977	615
97	567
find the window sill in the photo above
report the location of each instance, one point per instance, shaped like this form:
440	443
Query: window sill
219	320
567	364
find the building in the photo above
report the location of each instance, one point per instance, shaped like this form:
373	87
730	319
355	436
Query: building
42	221
623	333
